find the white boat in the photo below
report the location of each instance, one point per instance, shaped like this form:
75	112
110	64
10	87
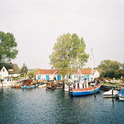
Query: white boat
8	82
67	87
41	85
109	93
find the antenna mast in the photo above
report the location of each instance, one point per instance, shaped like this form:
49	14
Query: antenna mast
92	61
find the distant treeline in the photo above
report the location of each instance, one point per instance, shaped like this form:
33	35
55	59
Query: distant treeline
111	69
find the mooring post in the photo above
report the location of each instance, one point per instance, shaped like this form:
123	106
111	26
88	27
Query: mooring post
112	93
2	82
94	92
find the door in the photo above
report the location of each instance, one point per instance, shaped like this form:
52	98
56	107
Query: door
47	77
58	77
87	76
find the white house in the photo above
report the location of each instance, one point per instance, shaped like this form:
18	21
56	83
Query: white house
51	74
48	75
9	70
85	73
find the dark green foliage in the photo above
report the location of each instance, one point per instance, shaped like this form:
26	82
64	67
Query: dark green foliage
8	46
111	69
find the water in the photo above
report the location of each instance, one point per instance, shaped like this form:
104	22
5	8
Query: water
38	106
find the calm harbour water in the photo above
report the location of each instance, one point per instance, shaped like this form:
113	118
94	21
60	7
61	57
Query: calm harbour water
38	106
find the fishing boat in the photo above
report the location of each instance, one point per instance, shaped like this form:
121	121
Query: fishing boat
82	89
29	86
109	94
120	95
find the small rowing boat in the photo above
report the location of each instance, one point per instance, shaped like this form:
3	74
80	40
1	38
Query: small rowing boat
29	86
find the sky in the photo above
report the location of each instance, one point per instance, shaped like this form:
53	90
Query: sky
36	24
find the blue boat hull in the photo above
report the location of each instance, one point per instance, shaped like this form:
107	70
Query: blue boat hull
85	91
29	87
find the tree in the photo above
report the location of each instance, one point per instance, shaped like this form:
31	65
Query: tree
110	69
8	46
32	73
24	70
68	53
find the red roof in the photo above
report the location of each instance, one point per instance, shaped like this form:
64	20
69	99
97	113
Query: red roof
50	71
47	72
86	71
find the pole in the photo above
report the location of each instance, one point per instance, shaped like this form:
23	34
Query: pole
94	92
112	95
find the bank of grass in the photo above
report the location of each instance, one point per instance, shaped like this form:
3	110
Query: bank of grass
112	84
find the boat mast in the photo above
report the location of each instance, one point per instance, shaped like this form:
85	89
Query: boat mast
92	62
78	69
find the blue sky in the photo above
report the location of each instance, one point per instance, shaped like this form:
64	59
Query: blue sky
36	24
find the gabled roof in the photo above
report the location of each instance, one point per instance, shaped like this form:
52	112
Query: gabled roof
86	71
47	71
9	66
50	71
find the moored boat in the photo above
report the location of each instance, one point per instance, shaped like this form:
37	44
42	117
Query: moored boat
41	85
82	89
111	93
120	95
54	86
29	86
8	82
67	87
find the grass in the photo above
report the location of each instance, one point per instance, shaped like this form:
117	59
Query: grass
111	84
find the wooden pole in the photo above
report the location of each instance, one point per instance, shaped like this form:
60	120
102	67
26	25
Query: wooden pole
2	82
94	92
112	93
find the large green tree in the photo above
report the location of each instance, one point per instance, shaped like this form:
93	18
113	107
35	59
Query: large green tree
68	53
8	47
110	69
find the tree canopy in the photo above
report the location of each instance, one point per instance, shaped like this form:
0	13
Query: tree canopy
111	69
68	53
8	47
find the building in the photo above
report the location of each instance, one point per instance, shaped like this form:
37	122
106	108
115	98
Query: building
48	75
51	74
86	73
9	70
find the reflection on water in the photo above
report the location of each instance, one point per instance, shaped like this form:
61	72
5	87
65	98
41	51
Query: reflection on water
41	106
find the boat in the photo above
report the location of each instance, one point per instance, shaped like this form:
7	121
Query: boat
67	87
83	89
110	94
8	82
29	86
16	86
41	85
120	95
53	85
